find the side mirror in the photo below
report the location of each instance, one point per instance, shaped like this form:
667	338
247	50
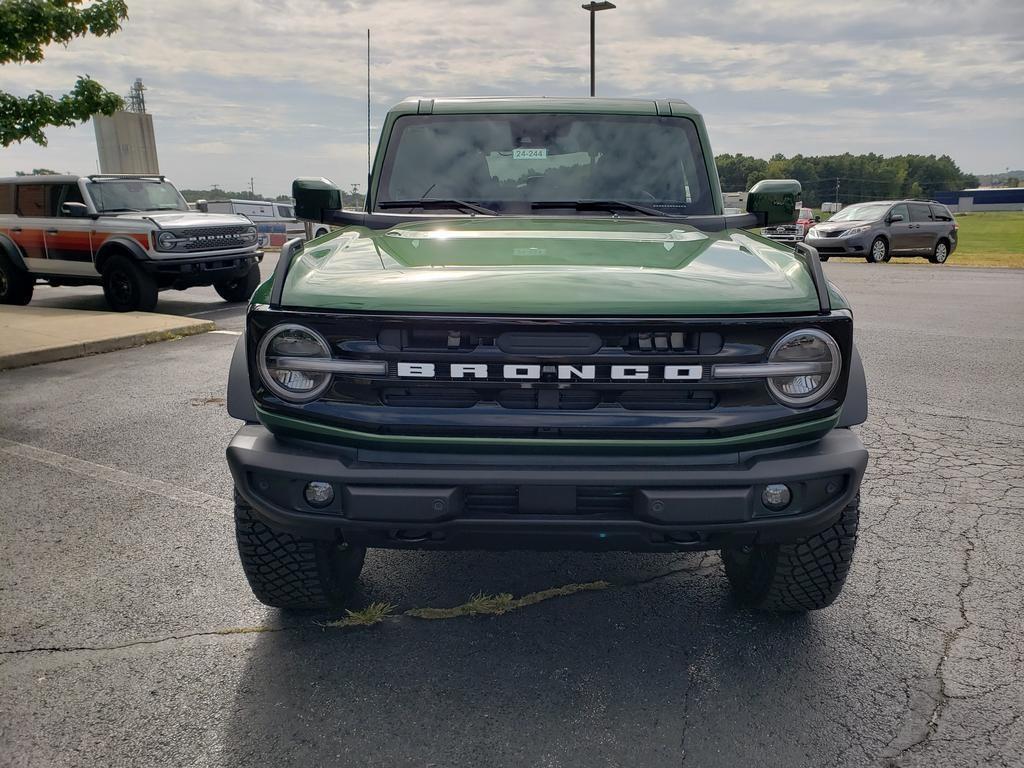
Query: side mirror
313	196
773	201
817	219
895	217
74	209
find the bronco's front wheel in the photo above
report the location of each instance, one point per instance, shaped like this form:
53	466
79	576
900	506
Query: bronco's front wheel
241	288
804	575
288	571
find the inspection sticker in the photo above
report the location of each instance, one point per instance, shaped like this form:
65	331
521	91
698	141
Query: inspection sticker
530	153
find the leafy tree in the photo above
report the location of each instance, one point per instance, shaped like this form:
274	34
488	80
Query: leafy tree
860	177
738	172
37	172
28	27
191	195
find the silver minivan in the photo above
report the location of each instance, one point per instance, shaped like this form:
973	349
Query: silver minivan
877	231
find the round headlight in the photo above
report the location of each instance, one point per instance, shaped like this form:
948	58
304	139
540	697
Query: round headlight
166	240
249	234
806	346
291	343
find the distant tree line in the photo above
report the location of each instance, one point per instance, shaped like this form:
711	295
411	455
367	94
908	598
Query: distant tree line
859	177
1005	179
226	194
350	200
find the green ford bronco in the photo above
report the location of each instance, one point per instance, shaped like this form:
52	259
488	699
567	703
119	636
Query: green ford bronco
544	333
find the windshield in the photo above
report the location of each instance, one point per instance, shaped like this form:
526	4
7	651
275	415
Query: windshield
135	195
862	212
509	163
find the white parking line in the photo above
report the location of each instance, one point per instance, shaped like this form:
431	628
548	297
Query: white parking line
228	333
115	476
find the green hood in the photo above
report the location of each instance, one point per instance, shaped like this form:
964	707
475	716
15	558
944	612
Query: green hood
548	266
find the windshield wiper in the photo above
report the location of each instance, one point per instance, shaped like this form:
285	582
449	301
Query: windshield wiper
121	210
437	202
597	205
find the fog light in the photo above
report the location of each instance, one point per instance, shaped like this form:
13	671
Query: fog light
776	496
319	494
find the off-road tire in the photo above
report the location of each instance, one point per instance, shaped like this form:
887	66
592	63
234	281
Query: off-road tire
804	575
288	571
16	285
940	254
876	255
128	287
241	288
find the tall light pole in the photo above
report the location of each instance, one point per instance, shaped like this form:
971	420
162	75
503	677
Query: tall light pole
594	7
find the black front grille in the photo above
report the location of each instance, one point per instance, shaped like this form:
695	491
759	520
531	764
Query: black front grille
491	500
606	500
499	500
213	238
461	401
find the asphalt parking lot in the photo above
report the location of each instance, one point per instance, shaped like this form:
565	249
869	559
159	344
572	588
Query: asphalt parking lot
129	636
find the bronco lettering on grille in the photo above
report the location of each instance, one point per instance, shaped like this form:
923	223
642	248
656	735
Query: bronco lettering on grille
537	371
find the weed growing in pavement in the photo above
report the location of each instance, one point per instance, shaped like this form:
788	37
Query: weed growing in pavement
372	614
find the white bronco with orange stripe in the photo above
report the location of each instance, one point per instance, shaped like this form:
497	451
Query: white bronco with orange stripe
134	235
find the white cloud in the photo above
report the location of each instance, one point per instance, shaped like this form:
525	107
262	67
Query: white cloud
276	88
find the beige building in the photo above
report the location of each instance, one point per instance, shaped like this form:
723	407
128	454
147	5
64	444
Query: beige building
126	143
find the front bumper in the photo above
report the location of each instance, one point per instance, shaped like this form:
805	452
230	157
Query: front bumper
782	237
201	270
428	500
857	245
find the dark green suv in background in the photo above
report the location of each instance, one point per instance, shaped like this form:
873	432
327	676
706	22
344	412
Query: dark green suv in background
544	333
878	231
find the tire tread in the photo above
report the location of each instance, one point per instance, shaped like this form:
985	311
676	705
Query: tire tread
288	571
804	575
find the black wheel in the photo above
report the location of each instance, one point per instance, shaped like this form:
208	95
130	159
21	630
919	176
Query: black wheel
940	254
878	252
823	258
321	232
287	571
241	288
128	287
805	575
16	285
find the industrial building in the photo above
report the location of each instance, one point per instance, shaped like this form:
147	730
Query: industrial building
983	199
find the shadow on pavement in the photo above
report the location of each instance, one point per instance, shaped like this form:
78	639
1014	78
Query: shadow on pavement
634	675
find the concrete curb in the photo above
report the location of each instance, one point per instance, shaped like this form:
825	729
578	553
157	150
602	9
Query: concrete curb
52	348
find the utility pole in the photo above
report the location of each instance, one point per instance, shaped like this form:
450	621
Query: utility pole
252	188
593	8
837	193
367	108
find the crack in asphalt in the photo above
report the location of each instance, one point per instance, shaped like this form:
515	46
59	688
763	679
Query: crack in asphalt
423	614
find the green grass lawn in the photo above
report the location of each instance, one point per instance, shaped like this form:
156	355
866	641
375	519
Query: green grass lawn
988	239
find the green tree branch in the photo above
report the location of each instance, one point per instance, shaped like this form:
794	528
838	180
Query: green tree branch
28	27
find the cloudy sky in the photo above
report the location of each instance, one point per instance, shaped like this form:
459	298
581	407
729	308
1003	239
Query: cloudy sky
276	88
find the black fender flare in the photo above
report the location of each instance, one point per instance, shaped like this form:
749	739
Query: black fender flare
13	252
855	406
240	402
111	246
